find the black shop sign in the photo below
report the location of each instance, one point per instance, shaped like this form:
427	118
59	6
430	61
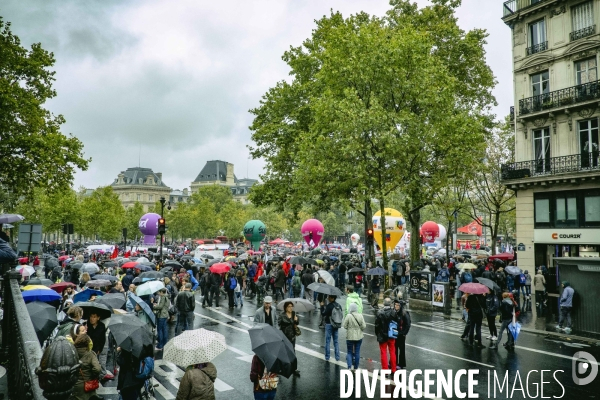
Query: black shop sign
420	282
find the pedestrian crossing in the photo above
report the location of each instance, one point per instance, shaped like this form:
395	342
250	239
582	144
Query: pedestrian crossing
452	325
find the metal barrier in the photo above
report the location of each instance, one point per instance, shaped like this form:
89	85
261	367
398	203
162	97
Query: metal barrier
21	349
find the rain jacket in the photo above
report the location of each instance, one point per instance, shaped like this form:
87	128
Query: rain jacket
193	280
90	369
353	298
539	282
566	300
354	324
127	280
198	384
162	307
382	323
7	255
506	309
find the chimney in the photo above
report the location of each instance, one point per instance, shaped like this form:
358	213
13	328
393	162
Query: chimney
230	181
159	174
185	192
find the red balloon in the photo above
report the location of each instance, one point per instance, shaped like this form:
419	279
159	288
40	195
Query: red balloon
430	230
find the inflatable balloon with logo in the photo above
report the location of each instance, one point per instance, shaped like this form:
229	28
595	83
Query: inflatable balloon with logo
148	226
395	227
254	232
312	231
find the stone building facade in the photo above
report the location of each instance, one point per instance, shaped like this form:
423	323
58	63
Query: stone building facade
218	172
556	175
142	185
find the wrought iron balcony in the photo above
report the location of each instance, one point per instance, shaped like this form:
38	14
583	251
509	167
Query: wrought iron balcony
537	48
512	6
511	114
589	31
560	98
586	161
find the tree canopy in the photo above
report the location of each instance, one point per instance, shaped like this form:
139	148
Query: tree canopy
33	150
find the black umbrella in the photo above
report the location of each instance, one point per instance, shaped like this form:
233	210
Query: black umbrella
43	317
274	349
105	278
152	275
206	256
311	261
98	283
114	300
51	262
356	269
298	260
137	280
275	258
148	264
316	251
110	264
489	283
325	289
42	281
173	263
76	265
186	257
377	271
91	307
131	333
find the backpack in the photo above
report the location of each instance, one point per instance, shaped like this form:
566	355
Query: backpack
395	266
442	276
337	316
296	284
146	368
467	277
232	283
393	330
522	279
268	381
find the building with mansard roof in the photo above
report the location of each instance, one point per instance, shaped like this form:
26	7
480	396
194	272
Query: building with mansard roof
218	172
142	185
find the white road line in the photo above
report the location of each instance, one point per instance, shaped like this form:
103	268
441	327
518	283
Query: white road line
222	386
160	389
227	316
450	355
308	329
220	322
238	351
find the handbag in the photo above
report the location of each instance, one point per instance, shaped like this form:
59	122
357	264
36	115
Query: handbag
297	330
90	386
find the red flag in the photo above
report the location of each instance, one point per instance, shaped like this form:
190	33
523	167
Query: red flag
115	253
127	254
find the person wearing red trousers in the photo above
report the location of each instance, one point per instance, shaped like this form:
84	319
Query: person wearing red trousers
387	345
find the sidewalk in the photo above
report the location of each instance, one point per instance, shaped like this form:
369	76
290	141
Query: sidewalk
529	323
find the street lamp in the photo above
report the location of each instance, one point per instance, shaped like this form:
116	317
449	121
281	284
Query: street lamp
162	233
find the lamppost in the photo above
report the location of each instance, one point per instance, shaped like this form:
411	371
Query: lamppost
162	231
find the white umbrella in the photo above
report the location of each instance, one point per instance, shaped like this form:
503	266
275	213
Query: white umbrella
194	347
142	259
326	277
25	270
300	305
90	267
149	287
10	218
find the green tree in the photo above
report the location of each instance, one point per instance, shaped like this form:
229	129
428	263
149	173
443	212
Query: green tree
34	152
218	195
381	104
132	219
102	214
232	218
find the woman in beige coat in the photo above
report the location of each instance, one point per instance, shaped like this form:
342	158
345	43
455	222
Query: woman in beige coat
354	324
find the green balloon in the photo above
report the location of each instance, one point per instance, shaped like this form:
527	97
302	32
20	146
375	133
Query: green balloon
254	232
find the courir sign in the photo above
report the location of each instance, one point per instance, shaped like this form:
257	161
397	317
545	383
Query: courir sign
567	236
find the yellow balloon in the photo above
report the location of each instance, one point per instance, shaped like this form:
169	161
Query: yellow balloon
395	227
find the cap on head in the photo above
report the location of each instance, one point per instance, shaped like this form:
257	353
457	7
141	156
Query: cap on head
268	299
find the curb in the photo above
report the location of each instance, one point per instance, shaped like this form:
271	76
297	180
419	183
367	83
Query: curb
528	330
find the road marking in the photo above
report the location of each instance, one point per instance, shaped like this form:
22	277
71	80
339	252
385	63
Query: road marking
308	329
2	372
222	386
227	316
220	322
238	351
450	355
107	390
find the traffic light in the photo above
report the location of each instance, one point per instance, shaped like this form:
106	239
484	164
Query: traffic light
162	228
65	228
370	235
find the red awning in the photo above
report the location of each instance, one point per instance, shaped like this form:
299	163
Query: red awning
503	257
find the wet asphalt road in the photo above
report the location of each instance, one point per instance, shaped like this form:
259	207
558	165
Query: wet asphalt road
433	343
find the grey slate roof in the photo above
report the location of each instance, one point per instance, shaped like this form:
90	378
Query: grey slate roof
214	170
135	174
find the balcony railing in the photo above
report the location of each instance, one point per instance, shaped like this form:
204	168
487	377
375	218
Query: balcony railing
560	98
511	114
512	6
587	161
537	48
589	31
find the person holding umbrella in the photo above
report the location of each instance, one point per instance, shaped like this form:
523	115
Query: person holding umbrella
330	331
74	315
492	305
288	323
507	307
97	332
475	312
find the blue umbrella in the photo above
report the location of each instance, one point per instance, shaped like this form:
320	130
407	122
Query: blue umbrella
377	271
137	300
40	295
514	328
85	295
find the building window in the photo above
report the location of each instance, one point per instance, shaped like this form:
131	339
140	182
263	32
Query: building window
566	210
588	143
537	37
540	83
591	205
587	71
542	211
150	197
541	149
139	197
582	16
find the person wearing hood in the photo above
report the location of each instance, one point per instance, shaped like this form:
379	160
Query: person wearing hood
127	279
386	343
354	324
353	298
193	280
90	368
507	308
566	306
198	382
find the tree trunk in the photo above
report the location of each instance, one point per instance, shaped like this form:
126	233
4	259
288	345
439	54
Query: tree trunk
369	253
383	239
448	241
495	232
415	237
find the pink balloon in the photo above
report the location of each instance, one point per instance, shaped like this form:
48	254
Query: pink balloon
312	229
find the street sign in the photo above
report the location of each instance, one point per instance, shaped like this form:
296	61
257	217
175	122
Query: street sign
30	238
520	247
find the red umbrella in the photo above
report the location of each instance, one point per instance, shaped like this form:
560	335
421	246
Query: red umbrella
130	264
62	258
220	268
503	257
473	288
61	286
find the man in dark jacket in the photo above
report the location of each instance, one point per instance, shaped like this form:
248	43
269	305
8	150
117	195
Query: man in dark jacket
403	320
330	331
215	284
127	279
7	255
474	306
386	343
97	332
206	282
185	304
307	279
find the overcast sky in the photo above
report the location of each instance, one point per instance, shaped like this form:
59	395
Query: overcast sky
171	82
